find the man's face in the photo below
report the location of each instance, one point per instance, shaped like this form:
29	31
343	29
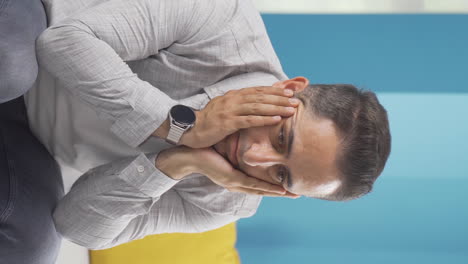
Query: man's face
299	153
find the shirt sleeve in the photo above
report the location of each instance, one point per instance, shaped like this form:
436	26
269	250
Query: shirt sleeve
129	199
87	53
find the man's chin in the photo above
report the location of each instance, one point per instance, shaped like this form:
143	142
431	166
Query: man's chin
222	147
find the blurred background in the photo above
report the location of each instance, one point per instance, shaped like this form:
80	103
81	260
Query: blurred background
414	55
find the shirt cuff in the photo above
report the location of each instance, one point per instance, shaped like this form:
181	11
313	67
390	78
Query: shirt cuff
197	101
143	175
150	110
249	206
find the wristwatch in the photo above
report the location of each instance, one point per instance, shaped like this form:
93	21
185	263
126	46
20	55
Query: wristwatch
181	119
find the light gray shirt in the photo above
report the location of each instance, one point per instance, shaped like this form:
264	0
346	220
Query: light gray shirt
114	68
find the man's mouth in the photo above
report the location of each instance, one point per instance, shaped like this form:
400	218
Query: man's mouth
233	146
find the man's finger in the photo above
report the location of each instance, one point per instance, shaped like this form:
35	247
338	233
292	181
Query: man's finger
270	99
245	181
267	90
291	195
241	122
264	110
263	193
254	192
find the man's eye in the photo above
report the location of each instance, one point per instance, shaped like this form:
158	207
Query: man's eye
281	175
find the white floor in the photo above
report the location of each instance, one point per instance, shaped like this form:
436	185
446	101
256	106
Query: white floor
72	254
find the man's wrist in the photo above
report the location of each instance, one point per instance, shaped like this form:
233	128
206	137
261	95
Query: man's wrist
163	130
189	136
186	139
175	162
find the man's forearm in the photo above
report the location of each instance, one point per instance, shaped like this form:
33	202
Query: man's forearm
163	130
129	199
105	201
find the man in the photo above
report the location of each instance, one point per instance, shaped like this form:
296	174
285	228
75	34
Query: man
30	180
332	143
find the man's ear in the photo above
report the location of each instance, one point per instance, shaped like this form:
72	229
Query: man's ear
296	84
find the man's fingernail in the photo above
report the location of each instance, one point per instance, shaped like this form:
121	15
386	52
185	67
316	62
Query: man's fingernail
288	92
294	101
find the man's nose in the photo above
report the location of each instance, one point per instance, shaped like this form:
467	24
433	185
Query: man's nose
261	155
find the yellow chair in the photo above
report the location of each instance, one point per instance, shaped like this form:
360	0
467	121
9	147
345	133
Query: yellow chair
212	247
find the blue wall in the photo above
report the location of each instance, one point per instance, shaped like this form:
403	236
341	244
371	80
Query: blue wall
418	212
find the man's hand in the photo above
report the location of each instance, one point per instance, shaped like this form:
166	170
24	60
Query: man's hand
238	109
210	163
182	161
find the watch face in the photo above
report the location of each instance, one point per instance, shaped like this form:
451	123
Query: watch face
183	114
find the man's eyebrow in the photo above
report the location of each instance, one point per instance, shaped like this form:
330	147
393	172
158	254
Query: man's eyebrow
290	145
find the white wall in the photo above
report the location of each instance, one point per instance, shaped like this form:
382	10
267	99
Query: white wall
362	6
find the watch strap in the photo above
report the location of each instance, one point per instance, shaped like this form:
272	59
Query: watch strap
175	133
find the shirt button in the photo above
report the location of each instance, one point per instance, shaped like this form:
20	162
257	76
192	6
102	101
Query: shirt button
140	169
